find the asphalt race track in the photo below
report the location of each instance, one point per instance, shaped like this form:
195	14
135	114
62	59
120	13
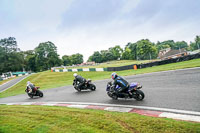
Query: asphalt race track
10	83
172	89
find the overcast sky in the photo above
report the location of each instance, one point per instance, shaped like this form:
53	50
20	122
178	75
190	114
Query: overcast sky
85	26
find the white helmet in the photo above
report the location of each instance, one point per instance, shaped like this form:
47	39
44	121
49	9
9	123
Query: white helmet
75	74
28	82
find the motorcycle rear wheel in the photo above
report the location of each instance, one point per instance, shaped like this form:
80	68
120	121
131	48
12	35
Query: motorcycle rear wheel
40	93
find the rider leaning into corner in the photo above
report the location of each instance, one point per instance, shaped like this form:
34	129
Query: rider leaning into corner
122	83
30	86
79	79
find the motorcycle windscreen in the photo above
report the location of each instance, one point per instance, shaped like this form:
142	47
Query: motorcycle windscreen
133	85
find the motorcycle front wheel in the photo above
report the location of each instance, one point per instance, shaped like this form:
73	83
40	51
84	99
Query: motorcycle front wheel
112	95
76	88
92	87
30	95
40	93
138	95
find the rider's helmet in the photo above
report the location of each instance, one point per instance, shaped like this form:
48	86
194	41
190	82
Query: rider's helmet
113	75
75	74
28	82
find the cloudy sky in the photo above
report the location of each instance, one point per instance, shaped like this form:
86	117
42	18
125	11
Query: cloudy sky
85	26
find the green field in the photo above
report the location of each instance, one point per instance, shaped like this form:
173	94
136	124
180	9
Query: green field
42	119
114	64
49	79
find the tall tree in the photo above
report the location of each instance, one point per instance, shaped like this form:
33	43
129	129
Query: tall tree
116	51
134	50
146	50
126	55
9	45
180	45
161	46
10	57
96	57
29	58
106	55
197	41
196	44
46	56
77	58
67	60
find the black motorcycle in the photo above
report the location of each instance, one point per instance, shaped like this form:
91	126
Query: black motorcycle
87	85
132	92
36	92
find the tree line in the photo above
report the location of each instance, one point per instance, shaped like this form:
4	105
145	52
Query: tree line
141	50
45	55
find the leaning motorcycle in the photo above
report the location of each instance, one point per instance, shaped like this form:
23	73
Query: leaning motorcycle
37	92
132	92
87	85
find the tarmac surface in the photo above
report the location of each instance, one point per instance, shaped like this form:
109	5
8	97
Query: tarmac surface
177	89
10	83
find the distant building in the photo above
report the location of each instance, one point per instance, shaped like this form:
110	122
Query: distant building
87	63
171	53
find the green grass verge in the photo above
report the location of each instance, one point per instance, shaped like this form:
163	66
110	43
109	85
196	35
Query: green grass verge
49	79
115	64
42	119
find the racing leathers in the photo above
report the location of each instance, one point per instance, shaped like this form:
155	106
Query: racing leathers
80	80
122	84
31	87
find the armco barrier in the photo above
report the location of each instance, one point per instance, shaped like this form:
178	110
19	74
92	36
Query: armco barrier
120	68
138	66
156	63
162	62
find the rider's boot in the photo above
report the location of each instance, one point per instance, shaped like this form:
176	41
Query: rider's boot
130	94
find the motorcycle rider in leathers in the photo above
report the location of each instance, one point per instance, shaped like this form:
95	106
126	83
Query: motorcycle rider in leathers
30	86
79	79
122	83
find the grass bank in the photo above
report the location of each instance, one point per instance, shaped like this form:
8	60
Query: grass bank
34	119
49	79
115	64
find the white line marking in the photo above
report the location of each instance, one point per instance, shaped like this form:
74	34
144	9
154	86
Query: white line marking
99	69
10	103
180	116
118	109
86	69
27	103
65	70
49	104
77	106
74	70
